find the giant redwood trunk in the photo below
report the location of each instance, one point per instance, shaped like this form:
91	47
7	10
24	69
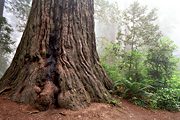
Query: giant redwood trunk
56	62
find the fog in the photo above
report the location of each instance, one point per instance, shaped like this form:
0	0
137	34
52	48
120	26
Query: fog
169	19
168	16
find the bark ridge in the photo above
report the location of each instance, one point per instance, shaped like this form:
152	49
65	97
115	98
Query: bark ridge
56	62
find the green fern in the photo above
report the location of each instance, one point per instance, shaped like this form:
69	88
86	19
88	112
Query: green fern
134	91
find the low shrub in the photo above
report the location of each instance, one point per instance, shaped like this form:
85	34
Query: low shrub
168	99
137	92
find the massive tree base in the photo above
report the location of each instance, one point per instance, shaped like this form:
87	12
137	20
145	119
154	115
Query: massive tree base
43	88
56	63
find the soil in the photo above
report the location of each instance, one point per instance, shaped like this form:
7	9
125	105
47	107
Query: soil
96	111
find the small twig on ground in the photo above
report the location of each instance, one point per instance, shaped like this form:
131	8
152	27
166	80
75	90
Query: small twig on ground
62	114
33	112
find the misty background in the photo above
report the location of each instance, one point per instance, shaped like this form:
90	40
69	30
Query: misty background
134	42
168	17
168	20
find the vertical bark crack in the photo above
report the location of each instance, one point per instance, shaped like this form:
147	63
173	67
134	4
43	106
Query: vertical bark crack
56	63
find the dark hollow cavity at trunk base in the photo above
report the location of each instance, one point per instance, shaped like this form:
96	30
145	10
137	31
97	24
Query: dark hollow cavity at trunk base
56	63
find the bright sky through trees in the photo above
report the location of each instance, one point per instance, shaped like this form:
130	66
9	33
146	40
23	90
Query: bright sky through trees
168	13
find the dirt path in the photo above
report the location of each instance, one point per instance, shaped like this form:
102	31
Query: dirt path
13	111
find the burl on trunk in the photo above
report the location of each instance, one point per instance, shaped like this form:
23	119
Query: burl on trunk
56	62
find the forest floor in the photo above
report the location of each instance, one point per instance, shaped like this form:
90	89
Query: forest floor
96	111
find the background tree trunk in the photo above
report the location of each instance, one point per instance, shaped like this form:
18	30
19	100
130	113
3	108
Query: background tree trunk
56	63
1	7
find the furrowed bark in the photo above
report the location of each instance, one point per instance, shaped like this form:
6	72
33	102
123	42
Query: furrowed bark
56	63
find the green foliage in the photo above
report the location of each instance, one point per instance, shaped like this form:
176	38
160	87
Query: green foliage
138	28
142	64
132	65
110	57
137	92
174	82
114	102
5	44
112	72
161	63
3	64
5	39
167	98
141	90
111	52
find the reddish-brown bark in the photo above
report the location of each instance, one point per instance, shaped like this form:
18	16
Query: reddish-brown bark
56	62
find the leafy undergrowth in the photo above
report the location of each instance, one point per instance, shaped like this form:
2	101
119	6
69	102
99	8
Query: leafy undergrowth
142	92
149	79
